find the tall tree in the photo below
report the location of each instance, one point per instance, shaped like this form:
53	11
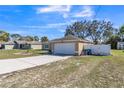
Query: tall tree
78	29
121	32
100	31
36	38
27	38
16	37
113	41
4	36
97	31
44	39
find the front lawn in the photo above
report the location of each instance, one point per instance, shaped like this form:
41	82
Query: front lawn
16	53
78	71
117	52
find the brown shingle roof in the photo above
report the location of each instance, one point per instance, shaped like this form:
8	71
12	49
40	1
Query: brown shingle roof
70	38
46	42
8	43
29	42
22	42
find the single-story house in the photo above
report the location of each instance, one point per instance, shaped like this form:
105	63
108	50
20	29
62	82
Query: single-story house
68	45
21	45
46	45
35	45
120	45
7	45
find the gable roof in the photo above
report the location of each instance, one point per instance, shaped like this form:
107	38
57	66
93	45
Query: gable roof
29	42
8	43
22	42
70	38
46	42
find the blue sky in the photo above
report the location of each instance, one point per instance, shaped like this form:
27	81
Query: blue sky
52	20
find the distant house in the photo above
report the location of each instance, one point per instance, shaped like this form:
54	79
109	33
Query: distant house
69	45
21	45
120	45
2	46
46	45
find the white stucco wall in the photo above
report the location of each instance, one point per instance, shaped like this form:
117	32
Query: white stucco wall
36	46
99	49
120	45
9	47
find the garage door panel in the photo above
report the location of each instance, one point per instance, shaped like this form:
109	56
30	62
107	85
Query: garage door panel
64	48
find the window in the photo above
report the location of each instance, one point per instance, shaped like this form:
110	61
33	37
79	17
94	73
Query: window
46	46
121	46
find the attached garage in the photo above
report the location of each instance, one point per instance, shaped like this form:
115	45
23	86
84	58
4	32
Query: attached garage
64	48
71	45
68	45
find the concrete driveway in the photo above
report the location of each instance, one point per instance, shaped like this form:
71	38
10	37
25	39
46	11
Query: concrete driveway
10	65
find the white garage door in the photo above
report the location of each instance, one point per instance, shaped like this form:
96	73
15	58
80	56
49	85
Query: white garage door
64	48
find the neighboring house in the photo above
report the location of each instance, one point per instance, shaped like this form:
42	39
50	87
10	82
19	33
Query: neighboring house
35	45
21	45
68	45
2	46
120	45
46	45
9	45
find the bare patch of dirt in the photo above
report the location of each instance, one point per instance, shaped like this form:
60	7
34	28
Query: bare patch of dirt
22	53
73	72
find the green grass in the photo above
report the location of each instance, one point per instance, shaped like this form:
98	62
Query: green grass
16	53
117	52
77	71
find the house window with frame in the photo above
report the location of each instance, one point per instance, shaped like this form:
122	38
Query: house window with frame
46	46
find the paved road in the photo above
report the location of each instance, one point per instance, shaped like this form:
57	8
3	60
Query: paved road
10	65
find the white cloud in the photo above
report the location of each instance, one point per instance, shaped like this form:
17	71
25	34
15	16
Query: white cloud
65	15
56	25
22	32
86	12
73	20
107	19
62	30
47	26
54	8
32	27
62	9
